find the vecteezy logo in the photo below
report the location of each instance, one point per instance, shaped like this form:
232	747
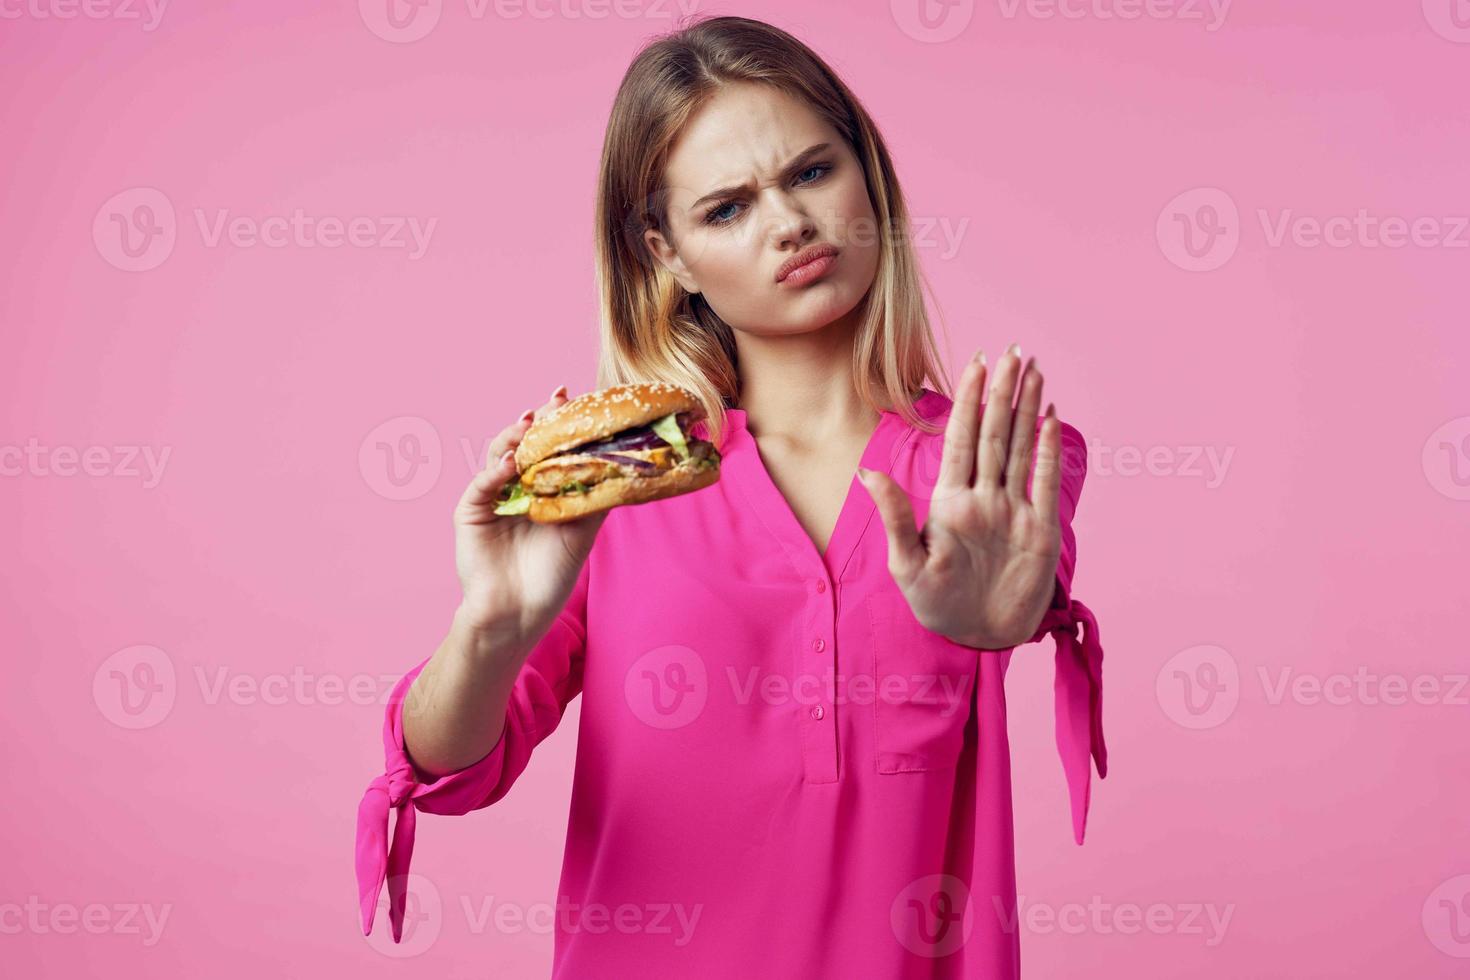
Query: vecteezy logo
135	229
1446	917
933	916
135	687
401	458
1199	230
932	21
1199	687
1449	18
667	687
423	917
1446	458
400	21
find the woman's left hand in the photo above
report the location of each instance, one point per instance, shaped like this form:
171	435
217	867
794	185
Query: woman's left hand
982	571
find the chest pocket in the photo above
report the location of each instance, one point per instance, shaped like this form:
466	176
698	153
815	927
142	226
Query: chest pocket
923	685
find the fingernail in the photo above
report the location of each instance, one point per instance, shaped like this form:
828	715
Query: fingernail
979	356
1014	349
528	415
507	456
560	390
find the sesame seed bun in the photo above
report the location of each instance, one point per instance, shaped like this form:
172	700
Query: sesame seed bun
600	414
547	454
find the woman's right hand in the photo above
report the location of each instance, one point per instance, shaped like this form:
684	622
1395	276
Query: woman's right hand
516	575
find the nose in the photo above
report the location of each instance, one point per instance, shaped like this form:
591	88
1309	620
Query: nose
791	227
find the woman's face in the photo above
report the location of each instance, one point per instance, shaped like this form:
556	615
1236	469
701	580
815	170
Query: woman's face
744	196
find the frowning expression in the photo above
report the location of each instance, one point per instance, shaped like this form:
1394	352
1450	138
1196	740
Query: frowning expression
756	182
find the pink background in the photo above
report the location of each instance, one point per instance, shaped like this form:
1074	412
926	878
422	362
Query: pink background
276	546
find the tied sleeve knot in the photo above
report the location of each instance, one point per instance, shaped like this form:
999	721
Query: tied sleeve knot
400	781
1078	690
376	861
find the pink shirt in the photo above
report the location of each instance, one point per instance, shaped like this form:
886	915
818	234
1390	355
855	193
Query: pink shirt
778	767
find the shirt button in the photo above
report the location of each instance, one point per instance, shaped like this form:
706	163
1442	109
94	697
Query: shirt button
819	645
817	712
821	586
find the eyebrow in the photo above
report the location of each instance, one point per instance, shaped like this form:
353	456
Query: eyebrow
795	164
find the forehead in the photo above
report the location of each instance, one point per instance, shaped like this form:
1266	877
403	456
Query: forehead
743	129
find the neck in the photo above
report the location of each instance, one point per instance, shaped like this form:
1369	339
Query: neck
799	388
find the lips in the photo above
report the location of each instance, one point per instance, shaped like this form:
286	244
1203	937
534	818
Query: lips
809	254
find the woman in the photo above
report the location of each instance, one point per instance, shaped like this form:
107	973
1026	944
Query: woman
792	758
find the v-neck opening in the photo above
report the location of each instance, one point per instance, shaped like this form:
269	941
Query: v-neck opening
853	517
854	487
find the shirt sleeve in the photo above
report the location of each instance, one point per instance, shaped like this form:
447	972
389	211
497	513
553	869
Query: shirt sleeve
548	680
1078	684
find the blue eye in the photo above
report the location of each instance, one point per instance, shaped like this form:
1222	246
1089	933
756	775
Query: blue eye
712	216
822	169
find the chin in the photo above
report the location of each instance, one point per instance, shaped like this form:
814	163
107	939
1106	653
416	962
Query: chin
816	310
818	306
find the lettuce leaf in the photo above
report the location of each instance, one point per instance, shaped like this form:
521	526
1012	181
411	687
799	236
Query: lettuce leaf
517	502
668	430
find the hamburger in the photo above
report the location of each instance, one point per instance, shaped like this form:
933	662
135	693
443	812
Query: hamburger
627	444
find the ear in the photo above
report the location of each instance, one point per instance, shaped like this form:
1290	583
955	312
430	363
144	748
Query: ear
664	254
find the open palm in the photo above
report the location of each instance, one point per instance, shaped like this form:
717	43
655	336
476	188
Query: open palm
982	570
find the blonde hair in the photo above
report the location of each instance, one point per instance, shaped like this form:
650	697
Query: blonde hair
654	330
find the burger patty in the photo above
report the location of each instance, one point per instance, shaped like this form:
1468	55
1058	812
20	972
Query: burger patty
547	477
